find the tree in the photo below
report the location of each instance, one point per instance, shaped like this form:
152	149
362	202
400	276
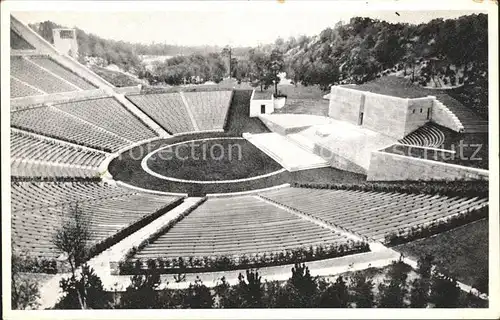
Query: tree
250	291
227	51
198	296
362	290
276	65
336	295
419	295
393	290
222	294
260	72
303	286
445	292
141	293
24	289
72	240
84	291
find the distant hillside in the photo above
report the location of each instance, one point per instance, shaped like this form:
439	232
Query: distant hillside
450	53
441	54
125	54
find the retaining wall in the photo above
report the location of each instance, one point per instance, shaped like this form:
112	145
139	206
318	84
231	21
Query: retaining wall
392	167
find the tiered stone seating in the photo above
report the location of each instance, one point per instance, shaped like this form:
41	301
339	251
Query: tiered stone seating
29	195
428	135
18	43
50	122
35	76
167	109
19	89
25	146
209	108
371	214
48	64
108	209
109	114
235	226
21	168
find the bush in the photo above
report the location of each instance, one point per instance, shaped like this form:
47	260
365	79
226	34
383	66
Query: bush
225	263
435	227
83	292
25	292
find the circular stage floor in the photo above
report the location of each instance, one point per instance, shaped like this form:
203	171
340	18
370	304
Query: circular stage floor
198	164
209	160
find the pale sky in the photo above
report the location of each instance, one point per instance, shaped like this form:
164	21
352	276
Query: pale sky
216	27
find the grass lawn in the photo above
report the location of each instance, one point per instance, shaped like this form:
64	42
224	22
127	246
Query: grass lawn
117	79
127	168
238	118
463	252
301	99
225	159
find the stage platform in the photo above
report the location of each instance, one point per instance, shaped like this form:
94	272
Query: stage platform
287	123
341	144
284	151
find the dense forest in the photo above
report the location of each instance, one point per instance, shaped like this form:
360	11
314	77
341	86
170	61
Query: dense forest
451	53
361	49
125	54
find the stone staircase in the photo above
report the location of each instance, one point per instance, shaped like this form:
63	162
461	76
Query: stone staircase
465	119
287	153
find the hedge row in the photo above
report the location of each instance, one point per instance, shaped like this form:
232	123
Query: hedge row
55	179
226	263
462	188
38	265
423	231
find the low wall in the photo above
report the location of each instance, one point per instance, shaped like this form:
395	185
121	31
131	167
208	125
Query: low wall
58	97
128	90
279	102
337	161
275	127
392	167
23	52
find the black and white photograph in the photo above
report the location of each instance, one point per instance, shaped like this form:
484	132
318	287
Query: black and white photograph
250	159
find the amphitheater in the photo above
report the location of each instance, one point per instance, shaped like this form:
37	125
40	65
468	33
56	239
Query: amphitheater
77	139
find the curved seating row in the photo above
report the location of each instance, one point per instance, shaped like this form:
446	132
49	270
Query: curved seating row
234	226
209	108
371	214
105	208
26	146
426	136
53	123
166	109
109	114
